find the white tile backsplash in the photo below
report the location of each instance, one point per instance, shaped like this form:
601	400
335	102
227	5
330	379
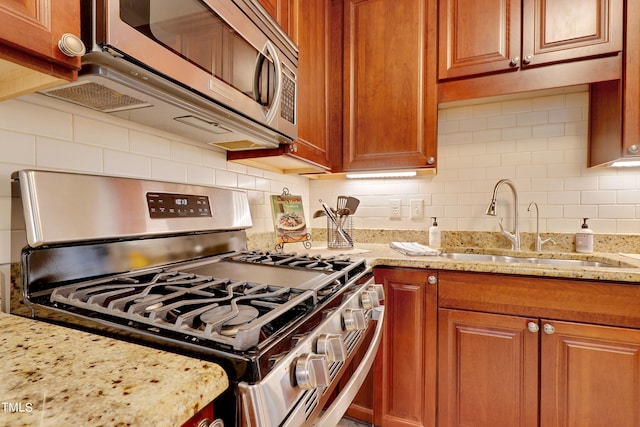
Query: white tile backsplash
38	132
540	142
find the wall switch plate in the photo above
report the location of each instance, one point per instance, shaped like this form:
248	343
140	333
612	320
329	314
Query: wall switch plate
395	210
417	208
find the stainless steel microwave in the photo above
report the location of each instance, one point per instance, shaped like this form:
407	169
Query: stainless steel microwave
219	71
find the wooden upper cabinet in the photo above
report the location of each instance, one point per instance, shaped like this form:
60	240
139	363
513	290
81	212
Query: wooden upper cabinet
390	84
281	11
30	32
478	37
614	107
319	81
502	35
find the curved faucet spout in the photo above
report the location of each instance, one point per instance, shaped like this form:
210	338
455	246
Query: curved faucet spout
514	237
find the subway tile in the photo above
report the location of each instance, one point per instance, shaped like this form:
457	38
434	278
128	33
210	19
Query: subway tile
186	153
126	164
563	197
486	135
56	154
617	211
201	175
17	147
548	130
517	106
598	197
486	110
549	102
19	116
624	182
167	170
473	124
101	134
519	132
577	212
226	179
503	121
533	118
214	159
149	145
574	114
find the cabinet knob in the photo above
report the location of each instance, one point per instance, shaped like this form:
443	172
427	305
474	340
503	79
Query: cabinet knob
533	327
293	148
633	149
549	329
515	61
71	45
431	160
432	280
527	59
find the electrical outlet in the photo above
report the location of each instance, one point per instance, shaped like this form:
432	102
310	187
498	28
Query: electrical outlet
417	208
395	210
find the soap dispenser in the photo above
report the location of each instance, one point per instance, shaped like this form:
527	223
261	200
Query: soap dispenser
435	237
584	238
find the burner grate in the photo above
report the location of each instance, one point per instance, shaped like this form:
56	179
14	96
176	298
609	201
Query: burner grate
202	307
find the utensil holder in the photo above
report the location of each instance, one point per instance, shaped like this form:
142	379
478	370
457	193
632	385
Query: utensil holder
334	239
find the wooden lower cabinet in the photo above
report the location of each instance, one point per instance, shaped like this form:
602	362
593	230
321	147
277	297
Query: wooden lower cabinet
401	390
488	370
589	375
497	368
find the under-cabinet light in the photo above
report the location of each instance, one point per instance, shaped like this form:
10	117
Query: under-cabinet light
626	164
398	174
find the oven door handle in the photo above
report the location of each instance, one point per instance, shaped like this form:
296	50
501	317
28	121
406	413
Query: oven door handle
336	411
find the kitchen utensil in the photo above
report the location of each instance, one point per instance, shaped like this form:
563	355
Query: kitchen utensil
334	220
342	202
352	204
319	213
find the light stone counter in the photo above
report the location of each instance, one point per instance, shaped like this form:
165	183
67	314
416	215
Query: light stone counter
56	376
377	254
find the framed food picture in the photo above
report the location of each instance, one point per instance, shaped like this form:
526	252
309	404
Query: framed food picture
288	219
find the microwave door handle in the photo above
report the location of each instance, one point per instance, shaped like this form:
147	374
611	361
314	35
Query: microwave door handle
269	50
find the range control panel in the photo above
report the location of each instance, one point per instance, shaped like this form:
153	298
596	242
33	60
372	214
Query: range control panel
170	205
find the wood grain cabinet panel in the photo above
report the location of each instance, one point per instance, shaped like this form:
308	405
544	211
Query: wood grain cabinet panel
390	89
478	37
498	368
401	390
30	32
488	370
590	375
505	35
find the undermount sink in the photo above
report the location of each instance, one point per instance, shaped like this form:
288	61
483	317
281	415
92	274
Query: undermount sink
526	260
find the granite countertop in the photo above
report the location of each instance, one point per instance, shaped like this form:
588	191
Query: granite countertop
627	266
56	376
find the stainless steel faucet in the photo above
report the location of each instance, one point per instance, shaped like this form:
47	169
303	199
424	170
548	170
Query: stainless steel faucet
514	237
539	242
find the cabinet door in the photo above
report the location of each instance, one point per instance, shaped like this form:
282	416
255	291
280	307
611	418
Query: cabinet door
478	37
590	376
561	30
281	11
390	88
32	28
319	78
488	370
404	393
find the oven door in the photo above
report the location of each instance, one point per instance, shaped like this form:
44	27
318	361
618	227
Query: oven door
209	46
314	383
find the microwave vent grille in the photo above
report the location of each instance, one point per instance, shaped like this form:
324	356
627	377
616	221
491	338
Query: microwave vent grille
97	97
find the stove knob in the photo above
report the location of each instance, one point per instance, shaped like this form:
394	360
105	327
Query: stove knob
354	319
332	346
379	289
312	371
369	299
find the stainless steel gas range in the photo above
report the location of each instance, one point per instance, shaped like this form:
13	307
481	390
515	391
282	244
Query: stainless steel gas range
166	265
